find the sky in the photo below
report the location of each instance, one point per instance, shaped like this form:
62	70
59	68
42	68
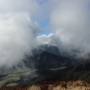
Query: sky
42	17
66	20
26	24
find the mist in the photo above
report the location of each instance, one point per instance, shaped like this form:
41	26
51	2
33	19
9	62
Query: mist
17	31
70	22
16	38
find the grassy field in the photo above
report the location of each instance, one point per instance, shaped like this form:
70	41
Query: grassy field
57	85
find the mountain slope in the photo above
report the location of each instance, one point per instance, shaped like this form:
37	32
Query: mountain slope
46	63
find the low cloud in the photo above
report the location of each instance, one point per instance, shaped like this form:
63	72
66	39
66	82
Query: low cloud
16	38
44	39
7	6
70	22
17	30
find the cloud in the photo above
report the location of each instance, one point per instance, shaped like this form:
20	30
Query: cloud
18	6
68	19
16	38
44	39
70	22
17	30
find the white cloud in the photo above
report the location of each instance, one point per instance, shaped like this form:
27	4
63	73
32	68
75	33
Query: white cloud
18	6
17	30
16	38
44	39
71	22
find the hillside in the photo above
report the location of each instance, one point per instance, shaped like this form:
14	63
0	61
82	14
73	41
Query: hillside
47	63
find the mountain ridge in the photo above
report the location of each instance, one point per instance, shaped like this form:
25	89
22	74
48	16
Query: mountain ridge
46	63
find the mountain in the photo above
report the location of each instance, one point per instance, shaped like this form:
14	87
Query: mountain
47	62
